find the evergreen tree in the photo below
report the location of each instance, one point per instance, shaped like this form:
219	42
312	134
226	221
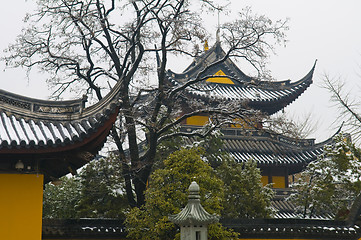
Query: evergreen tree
245	197
97	192
85	46
102	190
167	194
331	182
60	201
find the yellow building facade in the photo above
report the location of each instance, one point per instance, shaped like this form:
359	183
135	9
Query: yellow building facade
41	141
21	201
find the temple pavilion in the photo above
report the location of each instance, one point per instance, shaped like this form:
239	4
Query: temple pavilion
279	157
41	141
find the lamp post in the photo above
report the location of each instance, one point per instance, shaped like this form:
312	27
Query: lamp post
193	219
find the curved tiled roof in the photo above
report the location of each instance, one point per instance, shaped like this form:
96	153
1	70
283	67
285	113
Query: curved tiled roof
267	96
286	210
53	137
268	148
50	126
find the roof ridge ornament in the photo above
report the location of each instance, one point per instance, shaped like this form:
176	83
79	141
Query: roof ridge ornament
218	40
219	9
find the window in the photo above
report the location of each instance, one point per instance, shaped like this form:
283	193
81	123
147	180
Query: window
198	235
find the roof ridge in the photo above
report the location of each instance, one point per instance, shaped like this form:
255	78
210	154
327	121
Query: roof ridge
39	109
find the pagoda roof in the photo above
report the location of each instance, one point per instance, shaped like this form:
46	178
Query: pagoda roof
267	96
269	149
53	137
287	209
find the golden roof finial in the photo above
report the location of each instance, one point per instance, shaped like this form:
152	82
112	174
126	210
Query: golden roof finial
206	46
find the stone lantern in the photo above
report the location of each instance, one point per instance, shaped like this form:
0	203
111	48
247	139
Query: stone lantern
193	219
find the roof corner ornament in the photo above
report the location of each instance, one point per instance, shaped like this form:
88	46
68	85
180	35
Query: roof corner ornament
193	219
84	100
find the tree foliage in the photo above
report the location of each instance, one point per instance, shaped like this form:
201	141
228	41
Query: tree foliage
96	192
232	190
102	190
61	201
346	104
88	45
167	194
299	128
331	183
245	197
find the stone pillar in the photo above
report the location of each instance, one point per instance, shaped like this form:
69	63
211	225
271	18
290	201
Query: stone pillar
193	220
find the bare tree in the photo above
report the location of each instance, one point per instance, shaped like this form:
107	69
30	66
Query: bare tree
346	104
93	44
291	126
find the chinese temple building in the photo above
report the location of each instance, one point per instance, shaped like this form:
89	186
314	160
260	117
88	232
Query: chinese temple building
41	141
279	157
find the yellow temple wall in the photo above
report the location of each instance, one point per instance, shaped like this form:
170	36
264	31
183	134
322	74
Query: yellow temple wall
240	123
278	182
219	78
203	120
264	180
197	120
21	201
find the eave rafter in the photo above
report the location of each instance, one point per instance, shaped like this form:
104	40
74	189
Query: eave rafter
53	137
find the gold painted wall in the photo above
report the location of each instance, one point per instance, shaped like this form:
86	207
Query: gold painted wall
278	182
21	206
264	180
203	120
197	120
224	80
240	123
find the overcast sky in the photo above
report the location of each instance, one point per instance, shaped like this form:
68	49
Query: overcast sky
326	30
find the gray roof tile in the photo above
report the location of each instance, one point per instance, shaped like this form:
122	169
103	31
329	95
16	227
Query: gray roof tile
53	136
266	96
